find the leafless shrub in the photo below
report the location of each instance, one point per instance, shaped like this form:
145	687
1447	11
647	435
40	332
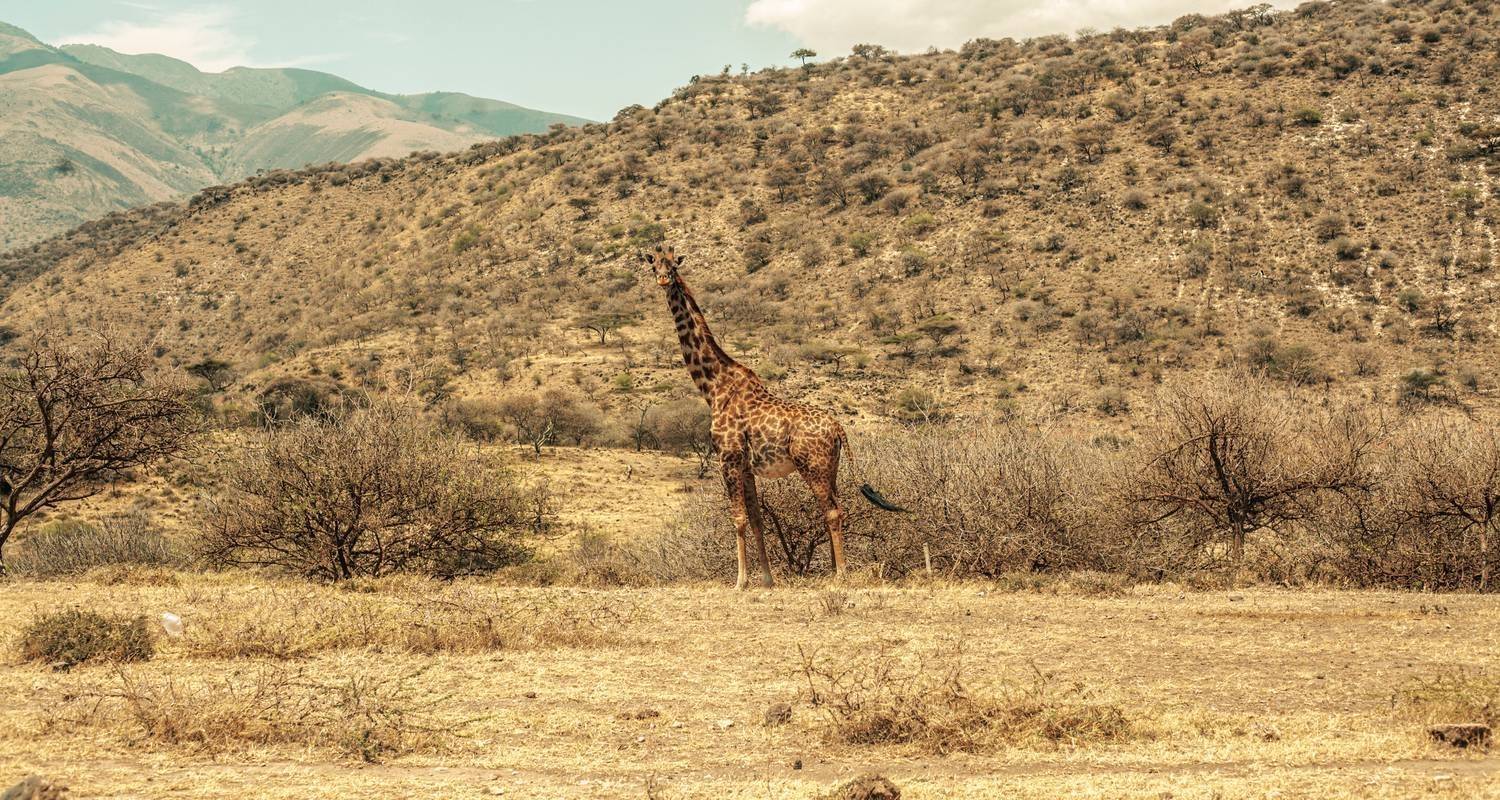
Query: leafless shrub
540	419
983	501
683	427
1431	522
370	492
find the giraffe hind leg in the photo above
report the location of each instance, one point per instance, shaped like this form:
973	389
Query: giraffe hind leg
752	509
824	486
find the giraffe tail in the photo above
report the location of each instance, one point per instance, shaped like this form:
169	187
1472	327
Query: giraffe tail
870	492
879	500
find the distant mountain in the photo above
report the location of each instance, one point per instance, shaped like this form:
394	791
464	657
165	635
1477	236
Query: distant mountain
85	130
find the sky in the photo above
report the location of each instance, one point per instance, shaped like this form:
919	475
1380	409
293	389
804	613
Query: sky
589	58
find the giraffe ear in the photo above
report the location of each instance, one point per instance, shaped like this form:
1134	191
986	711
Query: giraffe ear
680	260
648	258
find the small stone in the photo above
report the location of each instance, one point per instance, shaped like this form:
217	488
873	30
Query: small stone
797	764
1461	734
778	714
529	695
640	713
725	724
1235	598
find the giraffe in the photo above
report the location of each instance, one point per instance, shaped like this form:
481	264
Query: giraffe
756	433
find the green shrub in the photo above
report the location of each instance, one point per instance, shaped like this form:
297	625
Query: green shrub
861	243
66	639
1307	116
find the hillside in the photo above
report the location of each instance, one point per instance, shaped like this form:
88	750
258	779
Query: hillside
1052	226
86	130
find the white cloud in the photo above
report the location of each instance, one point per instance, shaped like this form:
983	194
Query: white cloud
202	38
833	26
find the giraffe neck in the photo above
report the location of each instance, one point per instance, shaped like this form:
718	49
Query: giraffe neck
707	363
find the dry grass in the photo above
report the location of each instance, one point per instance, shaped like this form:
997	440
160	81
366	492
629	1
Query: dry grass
361	714
286	620
1452	695
1156	689
72	547
880	699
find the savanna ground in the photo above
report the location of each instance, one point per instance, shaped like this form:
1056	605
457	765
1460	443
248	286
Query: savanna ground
1070	687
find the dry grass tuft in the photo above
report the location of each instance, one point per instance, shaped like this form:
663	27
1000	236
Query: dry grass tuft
1453	695
131	575
421	617
879	699
66	639
833	602
357	714
73	548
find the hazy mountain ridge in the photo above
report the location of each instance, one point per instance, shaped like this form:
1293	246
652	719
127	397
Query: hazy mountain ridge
1056	224
86	130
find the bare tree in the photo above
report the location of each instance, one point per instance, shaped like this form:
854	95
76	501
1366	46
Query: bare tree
73	419
542	419
1225	461
683	427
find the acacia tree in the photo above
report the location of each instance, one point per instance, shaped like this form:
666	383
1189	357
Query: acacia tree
73	419
217	374
605	321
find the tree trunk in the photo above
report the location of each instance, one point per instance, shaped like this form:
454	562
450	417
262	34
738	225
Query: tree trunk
1236	540
1484	557
8	525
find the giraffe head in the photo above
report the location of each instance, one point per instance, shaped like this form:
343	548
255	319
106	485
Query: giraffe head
664	263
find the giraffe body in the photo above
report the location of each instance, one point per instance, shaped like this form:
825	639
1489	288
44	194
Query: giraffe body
757	434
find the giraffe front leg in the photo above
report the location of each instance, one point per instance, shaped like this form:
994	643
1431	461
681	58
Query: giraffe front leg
734	486
743	581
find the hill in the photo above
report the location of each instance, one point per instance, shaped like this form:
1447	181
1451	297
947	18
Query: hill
1052	226
87	130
